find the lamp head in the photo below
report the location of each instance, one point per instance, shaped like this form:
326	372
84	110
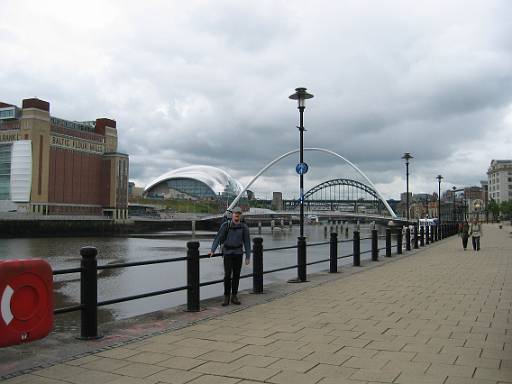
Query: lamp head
407	156
301	95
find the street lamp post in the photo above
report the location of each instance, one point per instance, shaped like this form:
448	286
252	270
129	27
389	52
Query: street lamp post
301	95
407	156
454	213
439	178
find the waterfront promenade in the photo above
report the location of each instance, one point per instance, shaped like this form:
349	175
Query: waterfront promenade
436	315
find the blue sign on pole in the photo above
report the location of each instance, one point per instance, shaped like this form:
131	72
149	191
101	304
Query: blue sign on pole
301	168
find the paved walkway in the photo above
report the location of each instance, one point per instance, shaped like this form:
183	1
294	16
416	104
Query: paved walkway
441	316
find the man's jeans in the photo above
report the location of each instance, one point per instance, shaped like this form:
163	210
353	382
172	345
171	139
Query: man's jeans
232	268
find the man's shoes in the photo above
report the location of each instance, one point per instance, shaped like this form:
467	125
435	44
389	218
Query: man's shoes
234	300
226	301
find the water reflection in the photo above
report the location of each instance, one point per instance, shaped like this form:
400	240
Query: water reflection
115	283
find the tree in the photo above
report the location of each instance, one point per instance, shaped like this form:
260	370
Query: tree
506	209
494	208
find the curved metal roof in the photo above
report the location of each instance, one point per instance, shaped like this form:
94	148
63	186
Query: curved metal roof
216	178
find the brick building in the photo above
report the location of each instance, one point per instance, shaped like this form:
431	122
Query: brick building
54	166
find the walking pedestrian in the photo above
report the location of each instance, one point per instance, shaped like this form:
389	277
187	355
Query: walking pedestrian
464	234
476	232
233	236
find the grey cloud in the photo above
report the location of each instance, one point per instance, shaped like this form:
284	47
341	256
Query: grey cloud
208	82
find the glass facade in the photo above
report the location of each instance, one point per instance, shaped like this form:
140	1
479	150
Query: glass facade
7	113
191	187
5	171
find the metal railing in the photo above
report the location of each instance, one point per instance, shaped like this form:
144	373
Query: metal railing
89	268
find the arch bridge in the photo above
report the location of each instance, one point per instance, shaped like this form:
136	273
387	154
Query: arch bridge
344	195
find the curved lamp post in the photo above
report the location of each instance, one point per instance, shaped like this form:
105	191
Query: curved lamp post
407	156
439	178
301	95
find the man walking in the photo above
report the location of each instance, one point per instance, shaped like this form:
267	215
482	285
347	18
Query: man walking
475	231
233	236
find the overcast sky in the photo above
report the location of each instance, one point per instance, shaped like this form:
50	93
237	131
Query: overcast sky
207	82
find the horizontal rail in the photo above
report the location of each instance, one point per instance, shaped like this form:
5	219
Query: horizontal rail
279	269
320	243
65	271
141	296
318	261
71	308
139	263
211	282
279	248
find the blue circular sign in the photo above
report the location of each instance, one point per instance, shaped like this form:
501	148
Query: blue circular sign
301	168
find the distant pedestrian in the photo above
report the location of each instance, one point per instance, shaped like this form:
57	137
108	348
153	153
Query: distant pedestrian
464	234
233	236
476	232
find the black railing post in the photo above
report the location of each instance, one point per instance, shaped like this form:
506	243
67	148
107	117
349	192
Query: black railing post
416	236
333	266
193	297
357	250
408	238
388	242
422	236
301	267
89	294
257	265
427	234
375	245
399	239
436	232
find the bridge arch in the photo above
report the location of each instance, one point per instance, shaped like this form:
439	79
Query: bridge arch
277	159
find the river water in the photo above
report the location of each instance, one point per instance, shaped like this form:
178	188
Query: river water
64	252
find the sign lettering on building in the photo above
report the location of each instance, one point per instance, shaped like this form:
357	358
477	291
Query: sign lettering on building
9	136
74	143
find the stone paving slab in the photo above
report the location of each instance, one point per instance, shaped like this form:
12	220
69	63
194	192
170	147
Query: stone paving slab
441	315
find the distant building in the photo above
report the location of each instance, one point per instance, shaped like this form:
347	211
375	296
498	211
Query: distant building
53	166
134	191
277	201
499	177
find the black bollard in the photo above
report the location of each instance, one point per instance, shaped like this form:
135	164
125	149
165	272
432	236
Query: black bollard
357	250
257	265
399	241
388	242
89	294
408	239
434	233
427	234
416	236
193	296
333	265
422	236
375	245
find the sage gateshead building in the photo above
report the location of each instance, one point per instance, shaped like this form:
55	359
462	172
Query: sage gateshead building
197	182
53	166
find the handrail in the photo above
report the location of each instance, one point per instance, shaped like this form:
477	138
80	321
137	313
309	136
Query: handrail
89	269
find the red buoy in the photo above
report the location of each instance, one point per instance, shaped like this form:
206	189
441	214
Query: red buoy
26	301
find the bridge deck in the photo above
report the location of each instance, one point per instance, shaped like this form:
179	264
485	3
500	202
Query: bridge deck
441	315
